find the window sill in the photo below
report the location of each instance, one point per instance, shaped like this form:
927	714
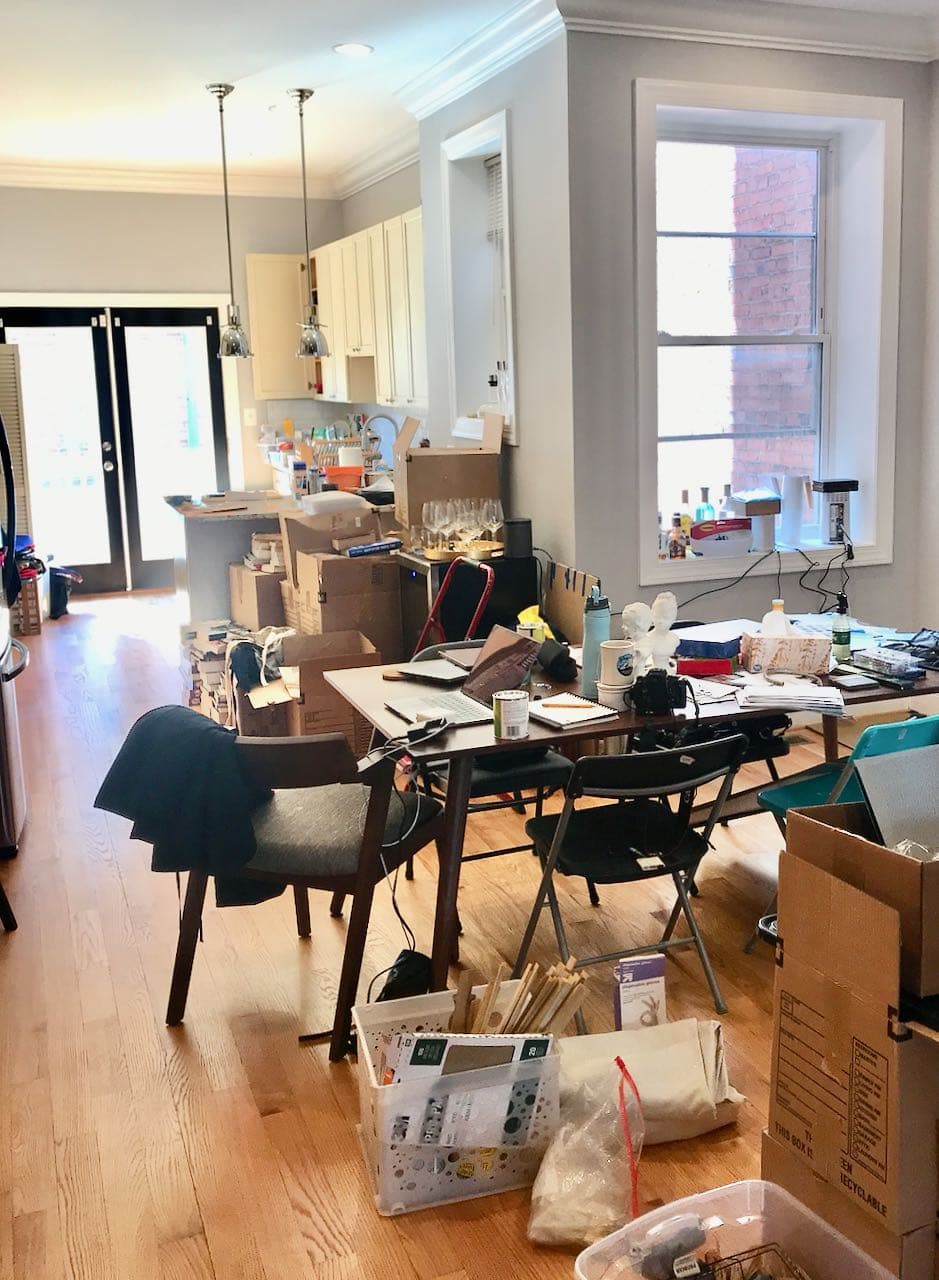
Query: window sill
725	568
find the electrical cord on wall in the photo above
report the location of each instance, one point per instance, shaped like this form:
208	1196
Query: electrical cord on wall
727	586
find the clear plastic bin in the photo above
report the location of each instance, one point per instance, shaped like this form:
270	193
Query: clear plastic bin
406	1177
733	1219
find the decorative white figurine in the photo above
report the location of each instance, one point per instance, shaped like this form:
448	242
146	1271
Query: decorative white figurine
637	629
664	641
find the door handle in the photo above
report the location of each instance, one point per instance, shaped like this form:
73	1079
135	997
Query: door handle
109	466
106	446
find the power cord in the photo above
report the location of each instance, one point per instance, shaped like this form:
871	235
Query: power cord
727	586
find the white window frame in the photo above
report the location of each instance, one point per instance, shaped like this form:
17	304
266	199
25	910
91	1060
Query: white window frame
862	139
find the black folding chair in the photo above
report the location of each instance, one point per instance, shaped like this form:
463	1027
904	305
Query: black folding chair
7	918
638	837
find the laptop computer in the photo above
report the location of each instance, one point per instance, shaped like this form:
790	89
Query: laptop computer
503	663
900	790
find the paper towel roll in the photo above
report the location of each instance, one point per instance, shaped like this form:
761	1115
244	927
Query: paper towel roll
350	455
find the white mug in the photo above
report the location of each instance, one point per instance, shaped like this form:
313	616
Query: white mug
616	663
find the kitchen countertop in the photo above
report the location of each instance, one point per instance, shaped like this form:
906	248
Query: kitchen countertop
248	511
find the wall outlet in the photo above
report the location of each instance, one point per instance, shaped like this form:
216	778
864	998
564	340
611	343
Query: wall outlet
250	417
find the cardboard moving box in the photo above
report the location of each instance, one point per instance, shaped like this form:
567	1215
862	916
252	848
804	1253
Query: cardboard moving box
317	533
256	599
853	1091
422	475
840	839
317	707
911	1256
337	593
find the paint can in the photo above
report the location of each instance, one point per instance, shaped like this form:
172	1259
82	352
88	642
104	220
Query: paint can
510	709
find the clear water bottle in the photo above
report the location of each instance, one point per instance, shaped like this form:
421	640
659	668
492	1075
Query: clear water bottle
596	630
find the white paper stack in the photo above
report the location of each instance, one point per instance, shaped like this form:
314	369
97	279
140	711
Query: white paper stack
794	695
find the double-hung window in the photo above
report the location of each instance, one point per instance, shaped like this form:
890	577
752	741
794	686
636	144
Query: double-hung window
767	229
740	297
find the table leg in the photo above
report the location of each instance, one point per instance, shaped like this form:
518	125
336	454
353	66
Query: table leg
830	735
446	923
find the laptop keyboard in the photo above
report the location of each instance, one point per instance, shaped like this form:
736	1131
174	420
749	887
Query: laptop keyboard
452	705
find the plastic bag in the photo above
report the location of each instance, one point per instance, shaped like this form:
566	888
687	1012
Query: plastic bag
588	1183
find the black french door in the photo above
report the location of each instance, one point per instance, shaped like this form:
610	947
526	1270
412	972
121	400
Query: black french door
71	458
97	481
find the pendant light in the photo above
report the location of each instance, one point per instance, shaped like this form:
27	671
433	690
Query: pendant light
312	339
232	341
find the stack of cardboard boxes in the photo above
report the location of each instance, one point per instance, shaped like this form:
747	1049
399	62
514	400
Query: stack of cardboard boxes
854	1102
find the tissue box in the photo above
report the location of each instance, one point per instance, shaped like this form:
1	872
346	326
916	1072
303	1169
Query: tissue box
800	655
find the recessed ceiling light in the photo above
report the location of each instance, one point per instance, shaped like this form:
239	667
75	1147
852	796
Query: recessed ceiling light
352	49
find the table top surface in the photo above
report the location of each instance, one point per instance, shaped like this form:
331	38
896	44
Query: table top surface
368	692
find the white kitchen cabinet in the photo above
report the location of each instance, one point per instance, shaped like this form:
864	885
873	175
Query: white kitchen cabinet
414	258
365	294
350	296
378	276
396	274
332	316
277	286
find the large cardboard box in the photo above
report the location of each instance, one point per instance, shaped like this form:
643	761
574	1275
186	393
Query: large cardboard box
422	475
853	1090
911	1257
261	722
255	597
318	708
841	840
290	598
316	533
337	593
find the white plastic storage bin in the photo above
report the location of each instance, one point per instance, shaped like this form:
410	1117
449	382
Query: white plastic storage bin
733	1220
406	1177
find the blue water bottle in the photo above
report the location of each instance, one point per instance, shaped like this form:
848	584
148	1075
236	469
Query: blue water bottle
596	630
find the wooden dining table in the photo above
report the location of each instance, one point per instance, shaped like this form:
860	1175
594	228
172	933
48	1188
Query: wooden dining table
366	689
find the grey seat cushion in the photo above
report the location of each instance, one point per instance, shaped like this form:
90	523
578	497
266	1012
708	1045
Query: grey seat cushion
317	831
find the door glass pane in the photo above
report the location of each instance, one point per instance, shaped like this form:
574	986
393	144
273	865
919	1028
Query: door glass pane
171	416
736	415
63	443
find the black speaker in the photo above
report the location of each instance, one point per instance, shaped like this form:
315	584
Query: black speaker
517	535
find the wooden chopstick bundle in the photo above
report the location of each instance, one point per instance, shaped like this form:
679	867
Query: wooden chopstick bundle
542	1004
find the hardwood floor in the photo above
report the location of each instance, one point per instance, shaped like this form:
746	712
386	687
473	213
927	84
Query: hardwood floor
222	1148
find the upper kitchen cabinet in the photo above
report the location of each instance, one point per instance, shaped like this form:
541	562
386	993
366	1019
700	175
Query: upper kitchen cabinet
378	273
358	294
326	263
277	290
404	274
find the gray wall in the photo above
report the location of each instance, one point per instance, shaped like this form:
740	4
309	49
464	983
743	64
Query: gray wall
392	195
601	71
538	470
927	584
125	242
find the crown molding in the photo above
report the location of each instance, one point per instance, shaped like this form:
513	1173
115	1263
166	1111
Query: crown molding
192	182
496	46
393	155
796	28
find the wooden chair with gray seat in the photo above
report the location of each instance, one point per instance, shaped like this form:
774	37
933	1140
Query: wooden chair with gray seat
331	824
7	918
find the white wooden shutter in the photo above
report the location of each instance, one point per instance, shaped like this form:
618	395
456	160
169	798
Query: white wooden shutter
11	407
495	220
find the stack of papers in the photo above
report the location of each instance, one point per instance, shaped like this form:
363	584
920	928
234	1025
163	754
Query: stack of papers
793	695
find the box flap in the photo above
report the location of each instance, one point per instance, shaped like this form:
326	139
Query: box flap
839	930
493	428
316	533
404	437
841	839
331	645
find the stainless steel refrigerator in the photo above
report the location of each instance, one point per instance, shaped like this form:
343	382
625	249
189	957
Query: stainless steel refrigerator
14	658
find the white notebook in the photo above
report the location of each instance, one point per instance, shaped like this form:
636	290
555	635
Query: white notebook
565	709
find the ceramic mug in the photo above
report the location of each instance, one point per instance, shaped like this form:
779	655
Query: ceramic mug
616	663
611	695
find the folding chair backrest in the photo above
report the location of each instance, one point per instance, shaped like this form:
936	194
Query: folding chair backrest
656	773
883	740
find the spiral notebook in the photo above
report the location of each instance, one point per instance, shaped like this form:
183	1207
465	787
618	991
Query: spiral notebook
561	710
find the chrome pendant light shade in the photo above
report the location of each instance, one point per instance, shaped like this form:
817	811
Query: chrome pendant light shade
233	340
312	339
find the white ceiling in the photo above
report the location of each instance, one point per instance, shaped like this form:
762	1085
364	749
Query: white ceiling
107	85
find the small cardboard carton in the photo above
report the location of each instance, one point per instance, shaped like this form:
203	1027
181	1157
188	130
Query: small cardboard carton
840	839
422	475
853	1090
316	533
797	655
337	593
912	1256
317	707
256	599
271	721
